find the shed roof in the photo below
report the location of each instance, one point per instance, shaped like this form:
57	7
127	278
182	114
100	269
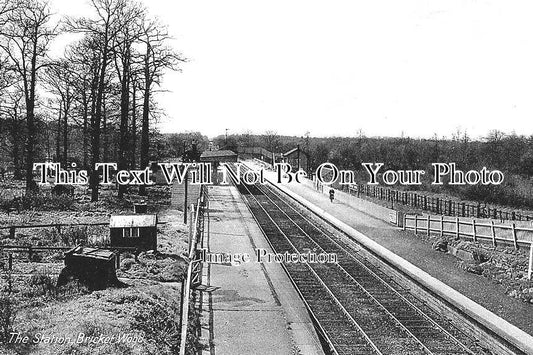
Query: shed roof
136	220
294	150
218	153
92	253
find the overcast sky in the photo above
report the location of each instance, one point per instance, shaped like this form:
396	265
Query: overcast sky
334	67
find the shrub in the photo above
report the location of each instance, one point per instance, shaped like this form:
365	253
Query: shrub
74	235
40	284
39	201
158	321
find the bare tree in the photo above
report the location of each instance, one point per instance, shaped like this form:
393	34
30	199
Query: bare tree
103	29
59	77
157	58
25	38
84	60
128	34
13	112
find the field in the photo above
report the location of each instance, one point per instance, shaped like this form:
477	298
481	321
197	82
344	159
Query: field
140	316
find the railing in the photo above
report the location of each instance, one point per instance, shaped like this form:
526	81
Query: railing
436	205
194	269
475	230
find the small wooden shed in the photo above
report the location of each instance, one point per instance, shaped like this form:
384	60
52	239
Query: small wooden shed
136	231
93	267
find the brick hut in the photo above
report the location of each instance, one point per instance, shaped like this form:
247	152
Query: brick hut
137	231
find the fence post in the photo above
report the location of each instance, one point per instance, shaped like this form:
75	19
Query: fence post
416	223
441	225
191	226
474	229
530	269
429	225
10	262
514	236
405	220
493	232
457	228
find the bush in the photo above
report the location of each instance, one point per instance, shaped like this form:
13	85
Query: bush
39	201
158	321
74	235
40	284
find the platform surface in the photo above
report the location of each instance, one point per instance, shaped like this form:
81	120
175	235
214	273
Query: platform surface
254	308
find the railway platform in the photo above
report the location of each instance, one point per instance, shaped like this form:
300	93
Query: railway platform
251	308
418	252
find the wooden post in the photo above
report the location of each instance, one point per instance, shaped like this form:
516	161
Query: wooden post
474	230
514	236
117	266
416	223
458	235
493	233
530	269
12	232
441	225
185	204
404	221
429	225
191	226
10	262
185	311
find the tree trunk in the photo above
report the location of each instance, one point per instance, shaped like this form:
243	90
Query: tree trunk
85	131
133	132
65	133
95	126
105	136
124	110
29	92
146	115
58	136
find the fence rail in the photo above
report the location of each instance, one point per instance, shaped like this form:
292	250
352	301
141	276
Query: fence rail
436	205
194	269
475	230
58	226
31	249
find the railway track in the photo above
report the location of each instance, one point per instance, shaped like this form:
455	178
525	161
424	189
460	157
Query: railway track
357	308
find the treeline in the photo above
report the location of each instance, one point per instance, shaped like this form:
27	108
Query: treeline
96	101
510	153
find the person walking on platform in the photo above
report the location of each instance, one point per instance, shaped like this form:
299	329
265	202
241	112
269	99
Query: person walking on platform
331	195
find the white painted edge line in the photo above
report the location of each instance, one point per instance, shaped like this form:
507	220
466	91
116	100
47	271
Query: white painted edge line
496	324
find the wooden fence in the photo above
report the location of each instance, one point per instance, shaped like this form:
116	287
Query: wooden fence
193	277
486	231
436	205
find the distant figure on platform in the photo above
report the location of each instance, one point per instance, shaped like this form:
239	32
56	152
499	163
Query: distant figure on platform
331	195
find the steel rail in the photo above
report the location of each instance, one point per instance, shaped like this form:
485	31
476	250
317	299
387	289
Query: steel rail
383	282
379	278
